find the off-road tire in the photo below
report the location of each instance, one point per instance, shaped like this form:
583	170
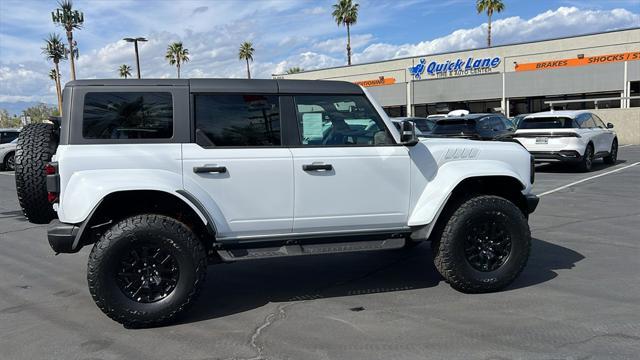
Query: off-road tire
448	245
586	163
613	153
168	233
36	145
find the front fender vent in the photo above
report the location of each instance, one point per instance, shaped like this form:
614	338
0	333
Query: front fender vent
461	154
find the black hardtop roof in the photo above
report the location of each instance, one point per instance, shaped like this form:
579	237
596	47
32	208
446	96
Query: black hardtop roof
274	86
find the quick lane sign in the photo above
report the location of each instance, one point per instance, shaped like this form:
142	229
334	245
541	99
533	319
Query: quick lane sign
590	60
456	67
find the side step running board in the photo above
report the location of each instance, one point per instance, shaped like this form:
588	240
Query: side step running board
310	249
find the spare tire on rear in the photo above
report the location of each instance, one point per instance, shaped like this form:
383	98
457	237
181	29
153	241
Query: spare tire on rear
36	145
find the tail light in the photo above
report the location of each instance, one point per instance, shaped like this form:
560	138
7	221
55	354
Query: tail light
53	182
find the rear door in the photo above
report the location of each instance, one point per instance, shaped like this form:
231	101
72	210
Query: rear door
349	173
237	166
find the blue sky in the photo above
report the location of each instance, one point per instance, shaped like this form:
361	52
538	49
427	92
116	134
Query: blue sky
285	33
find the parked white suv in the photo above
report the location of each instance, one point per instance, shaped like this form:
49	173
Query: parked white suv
7	155
166	176
577	137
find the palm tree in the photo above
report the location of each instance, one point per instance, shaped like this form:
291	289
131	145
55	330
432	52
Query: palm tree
489	7
294	70
246	53
55	51
69	19
176	55
124	70
345	12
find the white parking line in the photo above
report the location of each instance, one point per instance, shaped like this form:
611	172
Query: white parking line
625	145
587	179
7	173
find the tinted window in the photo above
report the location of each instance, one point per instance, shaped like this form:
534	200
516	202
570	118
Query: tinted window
8	136
454	126
551	122
237	120
127	115
486	124
497	124
340	120
589	122
599	122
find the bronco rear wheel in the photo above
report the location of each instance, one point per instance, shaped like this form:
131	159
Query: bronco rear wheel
484	244
146	270
36	145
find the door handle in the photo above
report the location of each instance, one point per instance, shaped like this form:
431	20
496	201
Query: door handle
317	167
209	169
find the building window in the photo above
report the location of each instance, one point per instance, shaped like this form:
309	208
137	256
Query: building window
396	111
635	91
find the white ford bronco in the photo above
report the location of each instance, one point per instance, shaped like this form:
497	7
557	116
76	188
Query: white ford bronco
164	177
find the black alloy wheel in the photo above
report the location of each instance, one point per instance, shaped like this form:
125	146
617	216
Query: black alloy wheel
487	245
10	162
613	154
147	273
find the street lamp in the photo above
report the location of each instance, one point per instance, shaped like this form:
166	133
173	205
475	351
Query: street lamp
135	42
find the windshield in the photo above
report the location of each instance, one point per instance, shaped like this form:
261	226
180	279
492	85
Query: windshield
549	122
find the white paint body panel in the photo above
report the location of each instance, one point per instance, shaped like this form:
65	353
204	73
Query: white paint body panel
556	143
266	192
368	188
88	173
254	196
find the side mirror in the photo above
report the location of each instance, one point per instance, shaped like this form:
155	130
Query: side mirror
609	126
408	133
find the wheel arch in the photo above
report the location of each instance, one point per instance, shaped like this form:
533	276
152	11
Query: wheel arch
111	209
424	220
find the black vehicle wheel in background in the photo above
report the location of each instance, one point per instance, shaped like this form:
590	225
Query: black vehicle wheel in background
9	163
36	145
146	270
586	163
613	154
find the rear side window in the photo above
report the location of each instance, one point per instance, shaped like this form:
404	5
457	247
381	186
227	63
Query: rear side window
551	122
454	126
237	120
340	120
127	115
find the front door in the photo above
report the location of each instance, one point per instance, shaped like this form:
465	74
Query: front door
237	167
349	174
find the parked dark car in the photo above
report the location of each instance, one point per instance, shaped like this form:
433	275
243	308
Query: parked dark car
424	126
475	126
8	135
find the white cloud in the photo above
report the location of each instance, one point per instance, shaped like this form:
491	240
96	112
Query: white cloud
280	44
340	44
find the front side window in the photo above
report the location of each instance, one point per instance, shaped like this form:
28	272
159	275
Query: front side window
599	122
237	120
127	115
340	120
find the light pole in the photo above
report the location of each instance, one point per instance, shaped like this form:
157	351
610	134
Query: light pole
135	42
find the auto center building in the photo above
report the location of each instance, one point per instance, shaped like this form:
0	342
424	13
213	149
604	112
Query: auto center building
514	79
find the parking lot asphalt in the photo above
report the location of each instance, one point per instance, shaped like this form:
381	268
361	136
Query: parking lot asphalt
578	298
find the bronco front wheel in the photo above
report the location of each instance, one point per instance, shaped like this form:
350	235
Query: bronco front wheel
146	270
484	244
